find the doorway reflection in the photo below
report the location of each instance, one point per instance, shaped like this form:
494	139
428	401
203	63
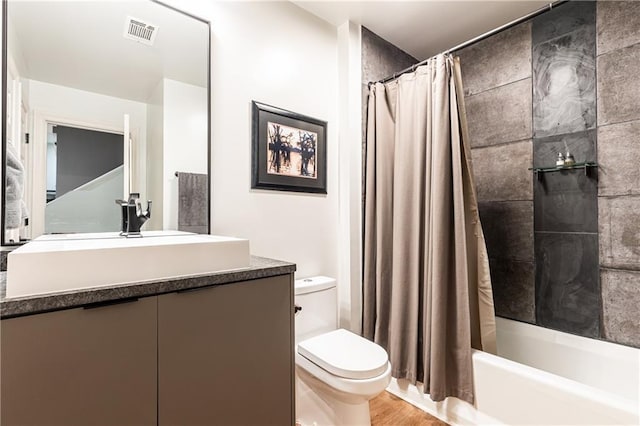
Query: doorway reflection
85	174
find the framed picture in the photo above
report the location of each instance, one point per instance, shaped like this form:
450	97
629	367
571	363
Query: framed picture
289	151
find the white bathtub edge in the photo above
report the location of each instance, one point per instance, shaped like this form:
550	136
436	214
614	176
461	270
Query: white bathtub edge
542	398
595	397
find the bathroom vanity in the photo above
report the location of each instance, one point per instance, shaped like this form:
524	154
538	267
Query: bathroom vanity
209	349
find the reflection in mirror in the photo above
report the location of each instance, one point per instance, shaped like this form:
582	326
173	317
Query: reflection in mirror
104	98
83	167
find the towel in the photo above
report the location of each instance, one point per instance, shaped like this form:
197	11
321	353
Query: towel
193	202
15	207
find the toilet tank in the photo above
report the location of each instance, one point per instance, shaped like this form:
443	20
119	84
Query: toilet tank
318	298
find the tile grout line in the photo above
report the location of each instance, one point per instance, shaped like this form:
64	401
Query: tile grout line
502	201
503	143
505	201
565	232
530	77
598	55
599	126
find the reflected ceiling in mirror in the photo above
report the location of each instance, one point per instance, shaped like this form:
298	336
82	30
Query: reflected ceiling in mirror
135	70
81	44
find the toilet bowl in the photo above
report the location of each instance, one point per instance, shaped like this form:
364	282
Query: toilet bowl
337	371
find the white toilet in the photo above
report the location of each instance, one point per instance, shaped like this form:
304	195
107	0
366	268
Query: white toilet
337	371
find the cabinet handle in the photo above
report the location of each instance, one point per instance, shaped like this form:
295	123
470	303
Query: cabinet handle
110	302
296	309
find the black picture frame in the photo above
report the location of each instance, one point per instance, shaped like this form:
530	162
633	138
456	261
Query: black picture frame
289	150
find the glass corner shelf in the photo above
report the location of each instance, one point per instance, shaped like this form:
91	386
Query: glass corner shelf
587	166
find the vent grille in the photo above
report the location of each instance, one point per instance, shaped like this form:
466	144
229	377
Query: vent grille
137	30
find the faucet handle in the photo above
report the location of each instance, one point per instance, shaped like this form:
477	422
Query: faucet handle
147	214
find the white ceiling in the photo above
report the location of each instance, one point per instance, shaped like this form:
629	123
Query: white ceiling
423	28
80	44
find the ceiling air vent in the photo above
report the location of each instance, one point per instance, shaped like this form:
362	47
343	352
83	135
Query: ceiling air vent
137	30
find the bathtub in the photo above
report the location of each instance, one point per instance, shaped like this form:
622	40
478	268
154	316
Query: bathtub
543	377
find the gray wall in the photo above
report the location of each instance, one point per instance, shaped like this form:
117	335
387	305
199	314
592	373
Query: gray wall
596	233
83	155
380	59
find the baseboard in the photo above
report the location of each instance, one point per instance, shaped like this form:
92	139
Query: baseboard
453	411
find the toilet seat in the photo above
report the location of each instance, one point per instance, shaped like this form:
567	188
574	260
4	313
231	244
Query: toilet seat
345	354
359	388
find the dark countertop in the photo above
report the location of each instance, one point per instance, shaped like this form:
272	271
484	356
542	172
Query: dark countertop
261	267
4	252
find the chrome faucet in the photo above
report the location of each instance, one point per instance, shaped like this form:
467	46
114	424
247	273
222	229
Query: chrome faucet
132	215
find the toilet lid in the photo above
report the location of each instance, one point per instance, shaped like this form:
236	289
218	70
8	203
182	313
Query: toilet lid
345	354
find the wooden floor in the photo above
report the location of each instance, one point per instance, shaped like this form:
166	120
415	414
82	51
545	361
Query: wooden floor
389	410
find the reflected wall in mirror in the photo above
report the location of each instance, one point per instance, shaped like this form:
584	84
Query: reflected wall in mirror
103	98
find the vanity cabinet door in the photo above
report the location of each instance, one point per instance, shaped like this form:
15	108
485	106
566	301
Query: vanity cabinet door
225	354
93	366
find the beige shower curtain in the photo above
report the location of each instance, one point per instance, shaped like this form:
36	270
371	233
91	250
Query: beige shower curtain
427	289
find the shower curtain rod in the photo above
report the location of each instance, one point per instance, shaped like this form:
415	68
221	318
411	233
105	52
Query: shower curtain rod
488	34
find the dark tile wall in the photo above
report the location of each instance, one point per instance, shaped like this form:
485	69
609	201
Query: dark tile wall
567	282
511	49
508	229
508	106
618	81
564	83
595	290
619	227
618	155
620	305
618	94
566	201
567	80
513	289
617	25
501	171
496	73
380	59
581	144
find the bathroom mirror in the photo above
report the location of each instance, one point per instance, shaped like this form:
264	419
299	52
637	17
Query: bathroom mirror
103	98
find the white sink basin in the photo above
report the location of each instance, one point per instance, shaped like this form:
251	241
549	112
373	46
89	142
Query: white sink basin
55	263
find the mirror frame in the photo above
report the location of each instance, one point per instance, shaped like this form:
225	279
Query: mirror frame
5	4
